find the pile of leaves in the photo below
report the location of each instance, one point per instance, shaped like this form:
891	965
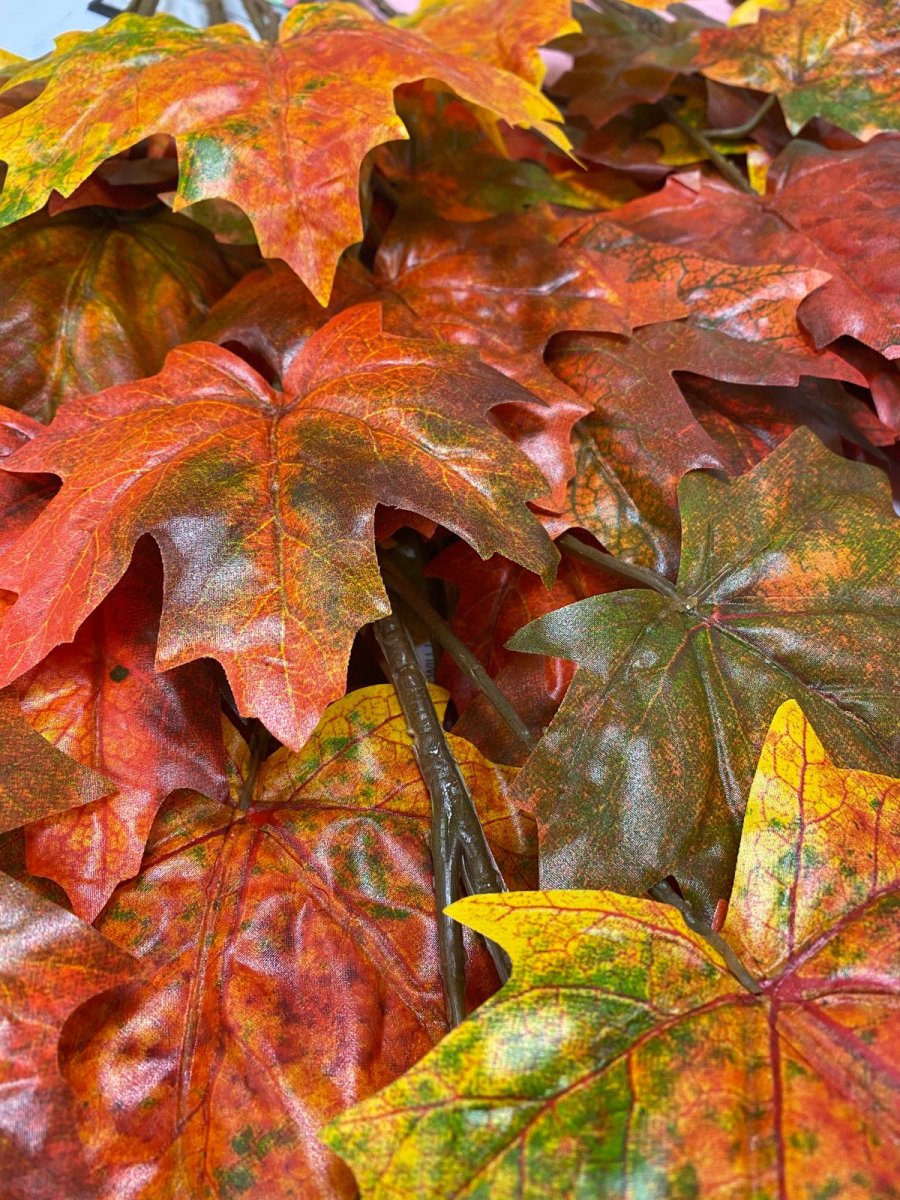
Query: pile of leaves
427	479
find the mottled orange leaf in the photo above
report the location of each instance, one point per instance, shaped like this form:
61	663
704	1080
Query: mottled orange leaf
833	211
823	58
71	321
622	1058
786	587
50	963
264	126
262	504
289	948
100	701
504	33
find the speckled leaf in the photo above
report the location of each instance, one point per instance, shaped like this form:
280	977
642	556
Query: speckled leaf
262	504
288	942
100	701
71	319
623	1060
823	58
505	33
833	211
263	126
50	963
787	577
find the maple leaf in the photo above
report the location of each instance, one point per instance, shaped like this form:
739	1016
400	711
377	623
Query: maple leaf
289	947
262	504
643	434
622	56
833	211
70	325
264	126
623	1057
506	35
100	701
36	779
822	59
787	576
50	963
496	598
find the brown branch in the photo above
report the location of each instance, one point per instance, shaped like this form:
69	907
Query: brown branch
143	8
458	651
747	127
263	18
258	743
725	168
617	566
458	845
215	12
664	893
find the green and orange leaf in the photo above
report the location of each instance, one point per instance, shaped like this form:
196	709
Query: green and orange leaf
787	581
70	323
262	503
623	1058
823	58
264	126
288	941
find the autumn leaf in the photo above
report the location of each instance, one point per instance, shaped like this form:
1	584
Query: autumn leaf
70	325
262	126
289	948
832	211
622	56
503	34
262	504
622	1058
100	701
823	58
644	434
786	580
50	963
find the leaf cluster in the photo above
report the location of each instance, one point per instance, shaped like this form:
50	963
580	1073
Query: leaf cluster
435	469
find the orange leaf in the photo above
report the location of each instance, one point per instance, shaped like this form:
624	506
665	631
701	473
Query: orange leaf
262	503
263	126
290	953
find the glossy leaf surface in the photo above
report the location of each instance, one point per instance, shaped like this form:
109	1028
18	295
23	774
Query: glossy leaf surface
262	503
50	963
823	58
827	210
506	35
70	325
262	126
149	733
288	943
622	1059
787	578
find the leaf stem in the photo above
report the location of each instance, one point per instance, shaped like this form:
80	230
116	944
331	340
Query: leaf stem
259	745
458	651
664	893
458	845
748	126
702	142
617	566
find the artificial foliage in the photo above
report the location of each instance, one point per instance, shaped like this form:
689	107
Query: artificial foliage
444	455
